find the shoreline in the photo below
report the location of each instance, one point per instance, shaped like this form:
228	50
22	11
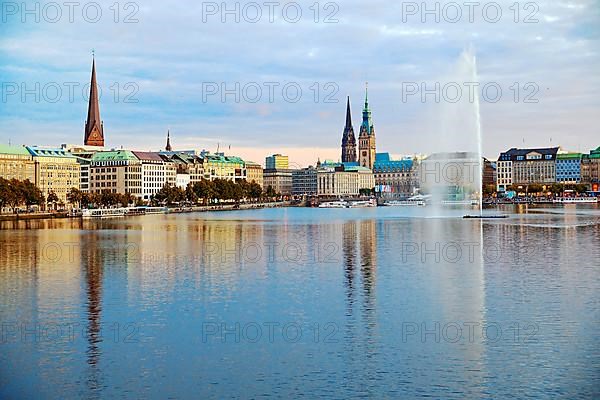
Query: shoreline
174	210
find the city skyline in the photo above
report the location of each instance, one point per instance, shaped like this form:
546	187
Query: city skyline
170	78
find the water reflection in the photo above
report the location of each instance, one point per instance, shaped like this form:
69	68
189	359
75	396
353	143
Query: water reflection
91	260
369	273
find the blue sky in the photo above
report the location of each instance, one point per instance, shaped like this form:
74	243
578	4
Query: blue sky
170	55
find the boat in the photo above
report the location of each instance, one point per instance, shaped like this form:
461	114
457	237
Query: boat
121	212
575	200
362	204
104	212
408	202
484	216
334	204
460	202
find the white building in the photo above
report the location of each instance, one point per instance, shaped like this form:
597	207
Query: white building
154	173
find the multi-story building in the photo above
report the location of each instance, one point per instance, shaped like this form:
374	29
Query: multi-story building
277	161
56	170
16	162
590	170
504	177
117	171
224	167
189	168
568	168
304	182
254	172
527	166
366	138
84	156
488	174
453	176
341	180
394	178
170	171
154	173
279	179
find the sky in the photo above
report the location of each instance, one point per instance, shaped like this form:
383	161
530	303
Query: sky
257	78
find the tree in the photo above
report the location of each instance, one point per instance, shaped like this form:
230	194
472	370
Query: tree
6	193
535	188
75	196
169	194
190	195
254	190
270	192
489	190
557	188
52	199
581	188
204	189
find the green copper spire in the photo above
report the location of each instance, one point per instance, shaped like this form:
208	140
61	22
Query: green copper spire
367	122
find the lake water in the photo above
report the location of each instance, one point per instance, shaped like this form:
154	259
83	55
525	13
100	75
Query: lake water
375	303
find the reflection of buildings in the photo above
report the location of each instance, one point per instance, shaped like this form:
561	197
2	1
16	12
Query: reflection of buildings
92	262
362	237
368	262
349	258
361	322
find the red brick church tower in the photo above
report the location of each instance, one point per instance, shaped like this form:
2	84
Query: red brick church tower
94	127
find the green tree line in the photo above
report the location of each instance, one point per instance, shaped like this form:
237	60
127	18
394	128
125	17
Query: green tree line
15	193
207	191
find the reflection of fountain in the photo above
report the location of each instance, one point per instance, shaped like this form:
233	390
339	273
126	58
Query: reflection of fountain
453	174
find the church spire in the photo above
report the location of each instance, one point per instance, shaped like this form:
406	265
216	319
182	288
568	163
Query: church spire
367	123
348	114
94	128
348	140
168	147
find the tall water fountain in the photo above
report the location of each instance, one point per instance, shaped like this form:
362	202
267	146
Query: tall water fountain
452	174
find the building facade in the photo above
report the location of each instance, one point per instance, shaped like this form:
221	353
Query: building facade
16	162
590	170
394	178
489	175
568	168
304	182
154	173
254	172
56	170
277	161
220	166
279	179
189	168
117	171
366	138
348	139
527	166
451	176
344	181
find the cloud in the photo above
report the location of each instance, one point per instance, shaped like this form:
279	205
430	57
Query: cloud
170	55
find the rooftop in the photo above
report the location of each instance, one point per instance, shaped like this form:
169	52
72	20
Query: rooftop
49	152
147	156
14	150
114	155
